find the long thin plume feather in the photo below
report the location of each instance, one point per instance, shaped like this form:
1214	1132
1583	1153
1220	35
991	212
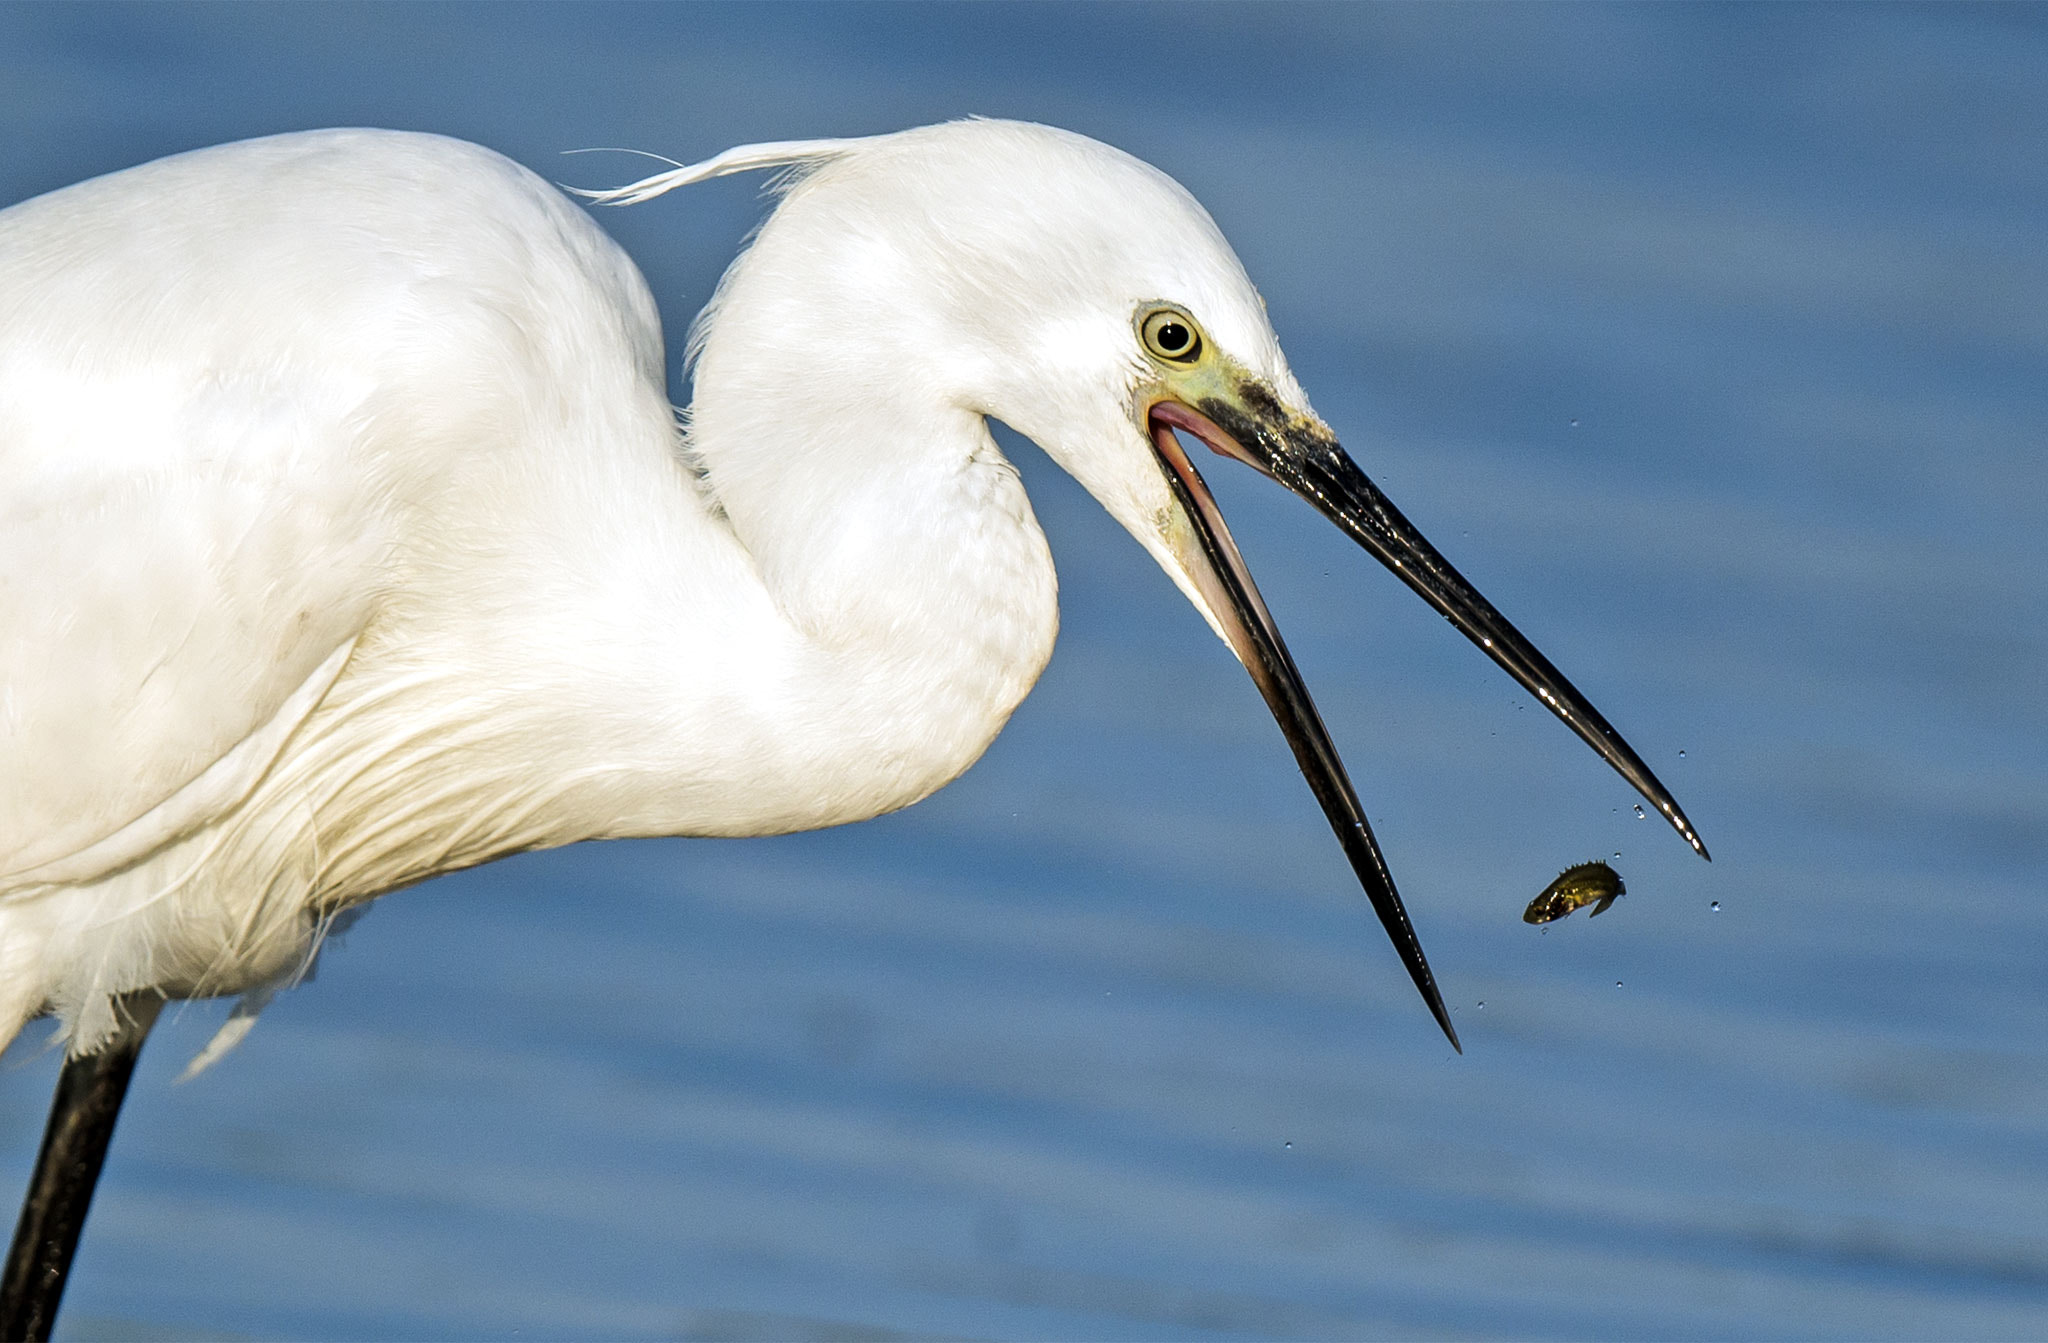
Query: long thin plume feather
739	159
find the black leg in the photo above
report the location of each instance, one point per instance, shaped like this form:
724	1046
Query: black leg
82	1115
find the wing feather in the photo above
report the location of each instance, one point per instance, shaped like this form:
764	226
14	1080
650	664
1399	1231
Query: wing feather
187	545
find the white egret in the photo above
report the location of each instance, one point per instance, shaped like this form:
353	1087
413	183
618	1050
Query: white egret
350	537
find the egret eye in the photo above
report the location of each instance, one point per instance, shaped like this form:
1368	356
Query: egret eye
1172	335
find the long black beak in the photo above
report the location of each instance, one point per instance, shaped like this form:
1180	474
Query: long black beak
1302	455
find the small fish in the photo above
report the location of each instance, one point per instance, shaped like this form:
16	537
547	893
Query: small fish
1577	886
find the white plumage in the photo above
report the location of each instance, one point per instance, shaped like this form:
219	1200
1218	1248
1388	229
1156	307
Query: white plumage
350	536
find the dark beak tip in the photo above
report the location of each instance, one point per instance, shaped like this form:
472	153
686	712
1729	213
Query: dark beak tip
1435	1001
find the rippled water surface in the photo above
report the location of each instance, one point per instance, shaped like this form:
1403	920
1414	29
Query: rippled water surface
1709	342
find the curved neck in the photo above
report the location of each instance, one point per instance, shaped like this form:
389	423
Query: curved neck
833	622
896	543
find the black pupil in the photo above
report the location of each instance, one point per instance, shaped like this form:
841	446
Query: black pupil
1173	337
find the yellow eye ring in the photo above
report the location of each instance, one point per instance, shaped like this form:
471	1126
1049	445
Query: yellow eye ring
1172	335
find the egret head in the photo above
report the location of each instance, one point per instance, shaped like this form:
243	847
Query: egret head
1087	300
1053	283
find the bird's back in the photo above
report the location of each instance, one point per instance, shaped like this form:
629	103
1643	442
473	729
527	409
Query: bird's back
269	411
241	391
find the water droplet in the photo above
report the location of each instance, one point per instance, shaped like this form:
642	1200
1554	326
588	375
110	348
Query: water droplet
1715	906
1617	983
1639	813
1482	1004
1575	424
1617	853
1681	755
1287	1144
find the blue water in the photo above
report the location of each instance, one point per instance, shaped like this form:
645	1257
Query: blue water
1708	341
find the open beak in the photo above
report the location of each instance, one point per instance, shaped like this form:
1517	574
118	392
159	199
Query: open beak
1300	453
